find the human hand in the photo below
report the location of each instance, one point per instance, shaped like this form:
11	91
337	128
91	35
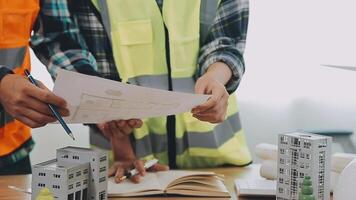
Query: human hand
27	102
119	128
119	168
213	83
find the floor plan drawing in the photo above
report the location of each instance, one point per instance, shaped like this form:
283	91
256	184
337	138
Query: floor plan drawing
109	100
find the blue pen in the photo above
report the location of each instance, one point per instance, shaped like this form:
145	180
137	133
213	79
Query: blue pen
52	108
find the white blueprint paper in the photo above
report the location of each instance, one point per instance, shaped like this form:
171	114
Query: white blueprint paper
94	100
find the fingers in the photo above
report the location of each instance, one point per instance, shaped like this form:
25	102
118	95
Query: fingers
113	169
135	123
139	165
123	127
45	95
36	119
120	172
200	87
119	128
29	122
37	105
119	169
217	95
159	167
214	114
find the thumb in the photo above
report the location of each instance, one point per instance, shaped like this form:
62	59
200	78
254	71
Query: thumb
200	86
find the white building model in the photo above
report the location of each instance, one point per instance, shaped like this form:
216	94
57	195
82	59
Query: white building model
76	174
299	155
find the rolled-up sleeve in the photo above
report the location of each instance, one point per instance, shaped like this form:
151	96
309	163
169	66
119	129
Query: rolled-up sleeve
226	41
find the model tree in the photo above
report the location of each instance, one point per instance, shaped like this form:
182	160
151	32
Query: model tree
307	190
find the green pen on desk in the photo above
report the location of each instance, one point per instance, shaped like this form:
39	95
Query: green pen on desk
52	107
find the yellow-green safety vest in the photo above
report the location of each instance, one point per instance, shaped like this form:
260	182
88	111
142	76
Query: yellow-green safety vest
137	32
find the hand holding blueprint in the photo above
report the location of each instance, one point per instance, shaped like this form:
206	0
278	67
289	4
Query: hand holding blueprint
94	100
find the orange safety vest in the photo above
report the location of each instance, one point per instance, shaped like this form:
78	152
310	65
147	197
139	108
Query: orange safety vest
17	18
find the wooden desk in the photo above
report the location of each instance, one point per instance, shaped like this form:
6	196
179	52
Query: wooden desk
231	173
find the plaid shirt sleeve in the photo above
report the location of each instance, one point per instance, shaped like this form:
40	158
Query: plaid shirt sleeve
226	40
57	41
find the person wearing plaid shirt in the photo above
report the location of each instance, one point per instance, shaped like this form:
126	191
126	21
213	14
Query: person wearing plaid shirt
71	35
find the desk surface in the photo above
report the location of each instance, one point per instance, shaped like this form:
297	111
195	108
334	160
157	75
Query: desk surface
231	173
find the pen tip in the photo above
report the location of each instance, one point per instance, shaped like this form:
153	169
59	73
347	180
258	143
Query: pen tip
71	135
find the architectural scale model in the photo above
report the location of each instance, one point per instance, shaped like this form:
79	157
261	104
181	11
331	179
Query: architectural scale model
76	174
300	155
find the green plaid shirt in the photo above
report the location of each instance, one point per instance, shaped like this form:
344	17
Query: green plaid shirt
71	35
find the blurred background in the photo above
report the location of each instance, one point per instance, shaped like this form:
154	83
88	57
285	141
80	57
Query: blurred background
285	88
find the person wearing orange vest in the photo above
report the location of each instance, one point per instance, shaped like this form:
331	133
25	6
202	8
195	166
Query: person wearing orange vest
22	105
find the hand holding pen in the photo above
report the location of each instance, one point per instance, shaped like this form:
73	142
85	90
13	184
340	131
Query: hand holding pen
122	170
51	107
28	103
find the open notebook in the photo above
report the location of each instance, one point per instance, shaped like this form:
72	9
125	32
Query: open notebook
177	182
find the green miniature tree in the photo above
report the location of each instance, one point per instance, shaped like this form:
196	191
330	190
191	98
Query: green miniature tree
307	190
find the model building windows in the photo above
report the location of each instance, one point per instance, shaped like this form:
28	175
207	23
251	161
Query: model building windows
280	180
71	176
70	187
102	179
41	174
41	185
102	159
78	173
65	156
280	190
78	184
307	156
102	195
71	196
281	170
284	140
307	144
56	187
85	194
296	142
282	151
102	169
75	157
302	155
323	143
301	174
85	171
282	161
286	181
77	195
56	176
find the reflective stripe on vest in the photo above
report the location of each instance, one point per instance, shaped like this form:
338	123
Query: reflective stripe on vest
12	57
16	21
223	132
138	40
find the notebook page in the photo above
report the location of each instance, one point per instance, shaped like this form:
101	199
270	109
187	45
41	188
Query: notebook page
148	183
165	178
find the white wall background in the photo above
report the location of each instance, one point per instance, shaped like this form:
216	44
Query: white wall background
284	87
